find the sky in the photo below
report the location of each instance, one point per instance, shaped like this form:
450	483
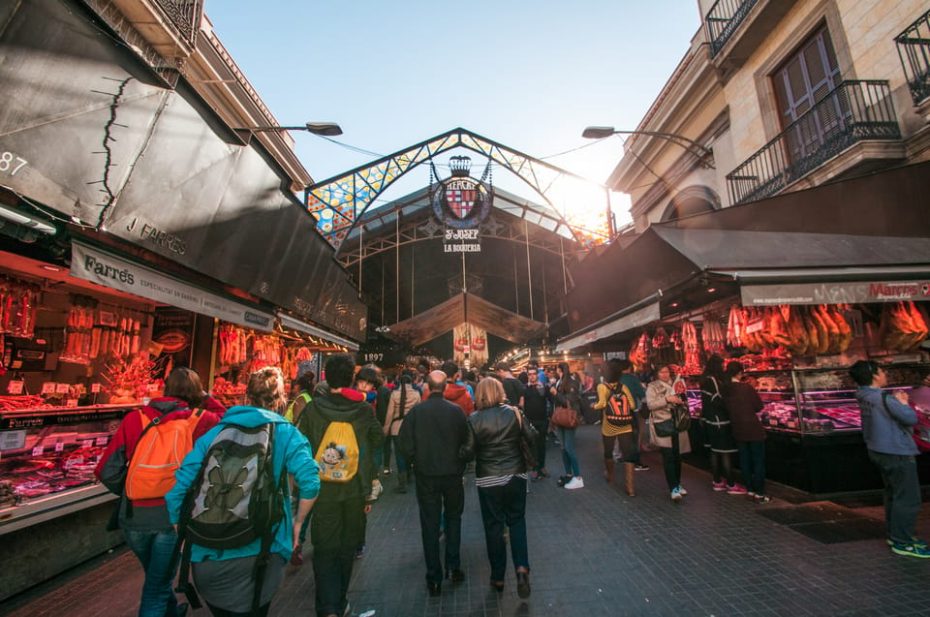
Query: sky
528	74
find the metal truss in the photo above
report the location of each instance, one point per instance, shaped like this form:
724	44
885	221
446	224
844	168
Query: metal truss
338	202
420	230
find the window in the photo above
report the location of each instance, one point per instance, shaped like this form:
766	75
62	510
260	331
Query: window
806	78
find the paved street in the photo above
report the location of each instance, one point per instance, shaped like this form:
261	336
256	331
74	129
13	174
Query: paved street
595	552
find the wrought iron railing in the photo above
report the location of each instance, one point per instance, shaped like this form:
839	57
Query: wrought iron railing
184	15
723	19
914	51
854	111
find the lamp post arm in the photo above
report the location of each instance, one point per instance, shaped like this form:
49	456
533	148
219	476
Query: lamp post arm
692	146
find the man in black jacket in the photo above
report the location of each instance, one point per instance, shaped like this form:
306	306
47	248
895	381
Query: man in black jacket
434	437
535	403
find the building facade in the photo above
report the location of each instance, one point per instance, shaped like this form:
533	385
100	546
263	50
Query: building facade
779	96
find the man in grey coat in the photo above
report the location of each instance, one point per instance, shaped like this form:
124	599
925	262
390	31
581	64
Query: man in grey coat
887	425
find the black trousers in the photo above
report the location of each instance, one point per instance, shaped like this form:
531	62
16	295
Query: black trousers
671	463
337	528
438	497
541	429
902	494
505	506
627	446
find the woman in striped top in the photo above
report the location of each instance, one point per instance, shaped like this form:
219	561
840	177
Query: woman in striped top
500	475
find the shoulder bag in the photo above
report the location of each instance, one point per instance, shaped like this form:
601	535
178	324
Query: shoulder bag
565	417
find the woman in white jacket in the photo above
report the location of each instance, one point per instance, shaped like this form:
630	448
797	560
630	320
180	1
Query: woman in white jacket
401	402
660	398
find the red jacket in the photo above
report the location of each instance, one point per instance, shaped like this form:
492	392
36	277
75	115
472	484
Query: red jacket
211	404
130	430
457	394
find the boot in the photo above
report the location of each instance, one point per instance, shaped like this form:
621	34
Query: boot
628	471
609	470
401	481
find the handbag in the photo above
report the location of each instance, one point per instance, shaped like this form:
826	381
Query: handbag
526	446
679	422
565	417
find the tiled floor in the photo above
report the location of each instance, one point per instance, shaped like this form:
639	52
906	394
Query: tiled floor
594	552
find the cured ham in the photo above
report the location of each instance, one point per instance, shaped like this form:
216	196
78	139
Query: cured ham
799	341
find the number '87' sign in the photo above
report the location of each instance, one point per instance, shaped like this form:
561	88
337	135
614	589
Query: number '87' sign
10	163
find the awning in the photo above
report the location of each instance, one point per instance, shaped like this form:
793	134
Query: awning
626	319
106	269
442	318
301	326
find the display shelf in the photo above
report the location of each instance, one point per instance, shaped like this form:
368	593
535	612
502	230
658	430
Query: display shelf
48	456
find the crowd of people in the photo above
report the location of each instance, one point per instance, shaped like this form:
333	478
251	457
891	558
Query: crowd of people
228	497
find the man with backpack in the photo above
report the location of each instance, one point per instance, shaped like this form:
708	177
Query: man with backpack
343	432
139	465
231	503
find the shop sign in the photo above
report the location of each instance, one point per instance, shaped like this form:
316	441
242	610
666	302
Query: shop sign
835	293
461	203
110	271
614	355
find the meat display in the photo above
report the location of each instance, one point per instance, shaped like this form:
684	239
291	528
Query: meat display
233	345
18	306
715	339
692	349
902	326
96	331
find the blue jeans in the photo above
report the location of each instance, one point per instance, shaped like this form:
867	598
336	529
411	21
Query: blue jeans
155	550
569	458
752	464
505	506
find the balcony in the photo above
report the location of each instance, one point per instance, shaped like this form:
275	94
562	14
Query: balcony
914	52
736	28
850	121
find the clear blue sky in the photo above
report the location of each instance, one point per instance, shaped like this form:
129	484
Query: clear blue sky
530	74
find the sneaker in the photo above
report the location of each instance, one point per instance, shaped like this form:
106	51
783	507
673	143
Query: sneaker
682	490
910	550
719	486
576	482
762	499
676	494
750	494
386	471
915	541
376	490
641	467
563	480
360	552
737	489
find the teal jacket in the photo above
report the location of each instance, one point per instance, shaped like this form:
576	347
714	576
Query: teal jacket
291	451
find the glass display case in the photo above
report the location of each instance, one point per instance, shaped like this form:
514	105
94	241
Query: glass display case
813	401
48	456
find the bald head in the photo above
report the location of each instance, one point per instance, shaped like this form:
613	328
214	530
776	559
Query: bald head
436	381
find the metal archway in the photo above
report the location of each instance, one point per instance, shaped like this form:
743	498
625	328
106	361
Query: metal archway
338	202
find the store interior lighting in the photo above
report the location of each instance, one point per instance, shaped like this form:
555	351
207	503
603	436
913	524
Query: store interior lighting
26	221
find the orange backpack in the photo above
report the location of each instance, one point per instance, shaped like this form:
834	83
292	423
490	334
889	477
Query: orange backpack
159	453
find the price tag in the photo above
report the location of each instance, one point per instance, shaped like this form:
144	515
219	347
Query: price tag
71	402
38	450
15	387
48	387
95	388
62	388
152	387
87	443
59	446
102	441
12	440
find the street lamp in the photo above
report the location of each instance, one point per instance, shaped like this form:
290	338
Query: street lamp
323	129
702	153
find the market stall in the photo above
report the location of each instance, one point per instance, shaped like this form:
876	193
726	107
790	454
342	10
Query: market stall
797	309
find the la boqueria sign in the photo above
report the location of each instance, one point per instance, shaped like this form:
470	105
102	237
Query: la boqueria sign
836	293
111	271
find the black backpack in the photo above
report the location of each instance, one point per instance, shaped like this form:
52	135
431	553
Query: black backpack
234	500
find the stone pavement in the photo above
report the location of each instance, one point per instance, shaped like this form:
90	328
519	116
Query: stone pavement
593	552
